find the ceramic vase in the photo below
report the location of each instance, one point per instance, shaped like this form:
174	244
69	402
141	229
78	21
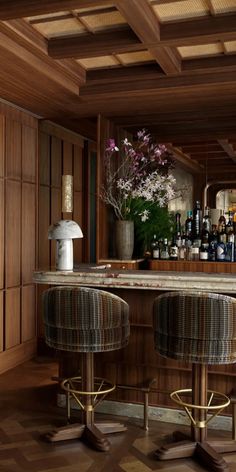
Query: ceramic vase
124	239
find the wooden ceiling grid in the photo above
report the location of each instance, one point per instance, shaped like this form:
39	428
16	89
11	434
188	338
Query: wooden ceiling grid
169	65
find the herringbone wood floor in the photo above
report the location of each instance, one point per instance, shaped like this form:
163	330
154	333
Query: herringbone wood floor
27	411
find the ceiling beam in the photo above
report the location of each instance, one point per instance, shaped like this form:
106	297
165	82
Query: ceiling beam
198	31
12	9
34	60
143	21
228	148
152	83
185	161
93	45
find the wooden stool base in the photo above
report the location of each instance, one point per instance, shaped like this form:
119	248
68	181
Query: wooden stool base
207	452
93	434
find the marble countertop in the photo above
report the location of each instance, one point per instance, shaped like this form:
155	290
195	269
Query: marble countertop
138	279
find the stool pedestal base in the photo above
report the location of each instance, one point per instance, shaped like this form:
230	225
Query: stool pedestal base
207	452
94	434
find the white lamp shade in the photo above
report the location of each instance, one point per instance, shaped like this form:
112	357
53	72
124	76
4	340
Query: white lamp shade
65	229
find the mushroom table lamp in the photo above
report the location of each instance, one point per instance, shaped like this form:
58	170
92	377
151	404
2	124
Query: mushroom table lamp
64	231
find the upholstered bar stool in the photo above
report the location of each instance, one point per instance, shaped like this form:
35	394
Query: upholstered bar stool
85	320
199	328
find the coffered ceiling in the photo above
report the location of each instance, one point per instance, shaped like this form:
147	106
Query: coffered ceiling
168	65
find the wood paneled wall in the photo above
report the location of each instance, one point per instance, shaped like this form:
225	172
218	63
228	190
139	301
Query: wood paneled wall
60	152
18	235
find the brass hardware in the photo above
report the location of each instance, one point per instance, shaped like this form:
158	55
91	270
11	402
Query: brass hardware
215	409
69	385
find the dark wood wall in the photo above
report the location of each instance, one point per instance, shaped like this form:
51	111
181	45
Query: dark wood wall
61	152
18	235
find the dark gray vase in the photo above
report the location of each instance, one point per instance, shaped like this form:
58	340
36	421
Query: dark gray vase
124	239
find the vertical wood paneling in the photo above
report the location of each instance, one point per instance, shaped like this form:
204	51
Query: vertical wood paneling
78	217
67	158
28	232
13	233
1	322
12	322
44	158
78	169
13	149
2	145
55	216
29	153
44	221
56	161
2	248
28	321
18	238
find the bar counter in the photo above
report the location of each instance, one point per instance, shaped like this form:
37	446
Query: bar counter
139	279
137	363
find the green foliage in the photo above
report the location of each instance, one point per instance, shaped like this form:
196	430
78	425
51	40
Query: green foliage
159	221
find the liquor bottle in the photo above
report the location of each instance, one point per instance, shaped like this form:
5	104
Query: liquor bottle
222	229
206	222
197	222
213	241
189	225
220	251
230	228
164	252
229	252
155	251
183	249
174	250
204	252
178	229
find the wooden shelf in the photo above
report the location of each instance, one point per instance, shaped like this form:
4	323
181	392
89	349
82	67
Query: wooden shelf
193	266
134	264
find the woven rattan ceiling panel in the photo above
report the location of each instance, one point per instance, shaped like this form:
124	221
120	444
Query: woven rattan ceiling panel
101	21
181	10
223	6
230	46
98	62
58	28
200	50
96	8
135	57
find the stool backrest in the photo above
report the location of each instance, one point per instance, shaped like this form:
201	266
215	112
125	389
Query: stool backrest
84	319
195	327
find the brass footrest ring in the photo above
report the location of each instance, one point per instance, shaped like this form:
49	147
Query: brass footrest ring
214	409
104	386
175	396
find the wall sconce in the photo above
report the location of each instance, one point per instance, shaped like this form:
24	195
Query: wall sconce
64	231
67	194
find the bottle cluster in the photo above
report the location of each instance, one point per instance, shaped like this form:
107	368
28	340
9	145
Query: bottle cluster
198	239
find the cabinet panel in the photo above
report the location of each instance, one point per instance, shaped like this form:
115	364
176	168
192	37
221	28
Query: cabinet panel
56	161
43	242
78	169
29	153
13	149
78	217
67	158
28	232
12	322
1	321
2	145
2	202
28	322
13	233
44	158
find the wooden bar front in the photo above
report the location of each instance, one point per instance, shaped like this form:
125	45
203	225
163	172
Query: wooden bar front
139	362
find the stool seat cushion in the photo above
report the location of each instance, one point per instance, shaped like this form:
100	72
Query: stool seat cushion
83	319
195	327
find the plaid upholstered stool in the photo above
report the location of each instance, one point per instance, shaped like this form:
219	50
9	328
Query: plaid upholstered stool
199	328
85	320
